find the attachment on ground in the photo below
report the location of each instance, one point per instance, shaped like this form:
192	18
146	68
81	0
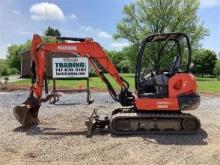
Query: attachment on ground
96	121
27	112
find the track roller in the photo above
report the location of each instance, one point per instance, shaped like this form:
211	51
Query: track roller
154	123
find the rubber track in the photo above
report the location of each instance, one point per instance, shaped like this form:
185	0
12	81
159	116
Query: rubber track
178	116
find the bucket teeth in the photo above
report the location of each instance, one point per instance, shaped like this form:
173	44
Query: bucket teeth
33	122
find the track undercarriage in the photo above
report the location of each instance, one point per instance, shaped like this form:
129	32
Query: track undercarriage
128	122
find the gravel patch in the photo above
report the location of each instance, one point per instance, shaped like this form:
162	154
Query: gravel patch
60	138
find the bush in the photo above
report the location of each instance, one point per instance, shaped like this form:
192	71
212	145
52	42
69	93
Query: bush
6	79
13	71
4	71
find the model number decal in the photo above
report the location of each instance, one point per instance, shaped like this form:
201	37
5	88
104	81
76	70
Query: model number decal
163	103
66	48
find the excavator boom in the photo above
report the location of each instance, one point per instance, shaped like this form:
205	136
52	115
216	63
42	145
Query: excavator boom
27	112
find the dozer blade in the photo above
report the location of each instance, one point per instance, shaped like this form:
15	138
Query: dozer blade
27	112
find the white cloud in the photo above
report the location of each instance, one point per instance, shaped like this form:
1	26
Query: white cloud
119	45
103	34
209	3
98	32
46	11
73	16
16	12
87	29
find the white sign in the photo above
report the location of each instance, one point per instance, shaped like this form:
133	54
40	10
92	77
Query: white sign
70	67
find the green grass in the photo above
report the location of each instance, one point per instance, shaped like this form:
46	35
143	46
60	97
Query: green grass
204	84
208	85
95	82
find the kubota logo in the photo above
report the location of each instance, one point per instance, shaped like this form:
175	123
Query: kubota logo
66	48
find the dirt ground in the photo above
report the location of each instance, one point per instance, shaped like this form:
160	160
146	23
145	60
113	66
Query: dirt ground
60	138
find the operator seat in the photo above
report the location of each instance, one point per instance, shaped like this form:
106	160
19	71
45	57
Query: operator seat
174	65
159	82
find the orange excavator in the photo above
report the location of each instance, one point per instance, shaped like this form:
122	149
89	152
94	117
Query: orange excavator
164	85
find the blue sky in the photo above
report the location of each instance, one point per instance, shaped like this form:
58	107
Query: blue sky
19	19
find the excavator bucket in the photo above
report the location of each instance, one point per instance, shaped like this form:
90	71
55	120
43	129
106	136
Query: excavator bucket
27	112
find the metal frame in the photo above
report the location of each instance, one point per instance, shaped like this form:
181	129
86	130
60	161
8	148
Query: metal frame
55	91
157	38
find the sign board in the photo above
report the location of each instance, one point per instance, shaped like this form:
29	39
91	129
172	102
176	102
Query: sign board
76	67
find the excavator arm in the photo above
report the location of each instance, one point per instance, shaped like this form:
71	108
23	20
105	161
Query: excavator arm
27	112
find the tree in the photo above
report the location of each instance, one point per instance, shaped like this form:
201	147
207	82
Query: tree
144	17
130	52
13	59
120	60
3	68
52	32
217	69
204	61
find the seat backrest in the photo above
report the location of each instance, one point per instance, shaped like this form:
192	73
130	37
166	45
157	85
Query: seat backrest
175	64
161	79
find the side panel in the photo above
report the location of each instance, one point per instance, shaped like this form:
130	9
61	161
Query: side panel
149	104
181	83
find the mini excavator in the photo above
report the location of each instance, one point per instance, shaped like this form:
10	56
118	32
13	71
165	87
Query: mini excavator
164	85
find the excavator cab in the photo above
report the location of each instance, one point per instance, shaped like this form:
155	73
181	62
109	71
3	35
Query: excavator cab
160	57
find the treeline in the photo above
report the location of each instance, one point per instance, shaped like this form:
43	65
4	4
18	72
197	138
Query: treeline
206	61
142	18
12	64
